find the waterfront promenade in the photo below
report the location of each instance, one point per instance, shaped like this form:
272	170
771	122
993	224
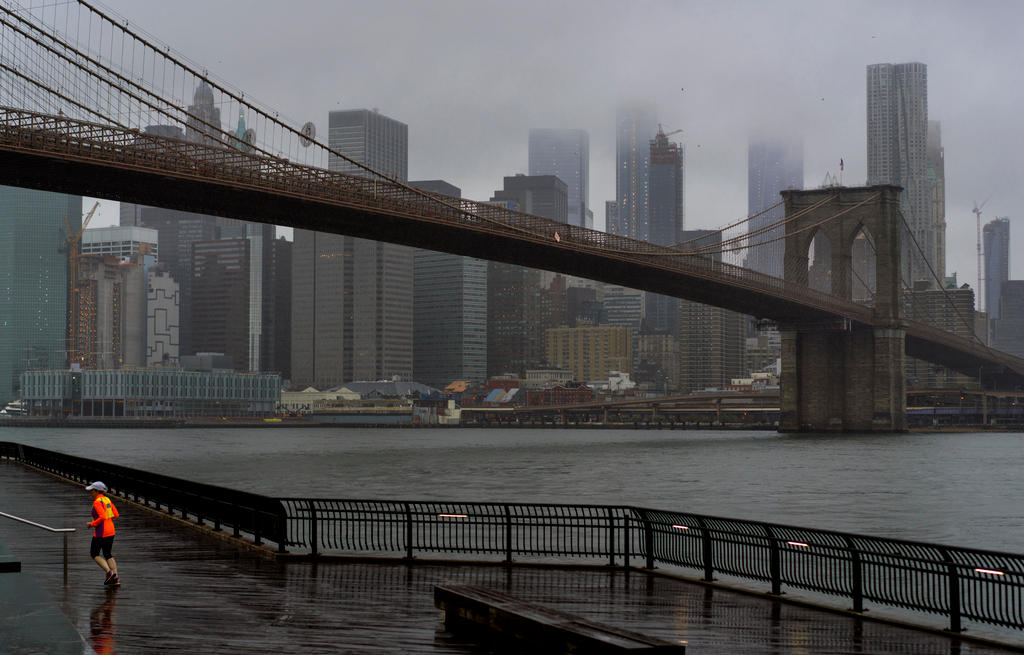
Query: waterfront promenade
186	593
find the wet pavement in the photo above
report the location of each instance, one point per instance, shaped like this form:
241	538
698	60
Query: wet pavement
184	592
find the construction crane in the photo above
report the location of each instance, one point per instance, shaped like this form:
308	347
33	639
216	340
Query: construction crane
663	134
73	242
977	212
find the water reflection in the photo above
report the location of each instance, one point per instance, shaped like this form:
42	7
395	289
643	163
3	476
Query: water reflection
101	625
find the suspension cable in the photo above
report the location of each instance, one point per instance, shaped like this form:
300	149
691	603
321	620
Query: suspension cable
794	232
728	227
941	283
716	247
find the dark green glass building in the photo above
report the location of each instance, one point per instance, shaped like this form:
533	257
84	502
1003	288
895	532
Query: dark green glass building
33	282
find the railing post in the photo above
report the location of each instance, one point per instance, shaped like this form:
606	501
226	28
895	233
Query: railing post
65	559
648	539
626	546
774	562
508	534
953	576
707	552
856	577
408	531
611	538
281	532
314	533
256	527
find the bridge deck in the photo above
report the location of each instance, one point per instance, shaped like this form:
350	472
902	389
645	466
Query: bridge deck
63	154
184	593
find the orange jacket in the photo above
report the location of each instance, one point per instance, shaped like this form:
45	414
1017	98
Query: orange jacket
103	515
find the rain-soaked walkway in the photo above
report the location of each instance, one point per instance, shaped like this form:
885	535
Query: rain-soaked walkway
185	593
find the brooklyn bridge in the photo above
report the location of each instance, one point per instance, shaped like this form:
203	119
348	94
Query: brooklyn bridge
77	102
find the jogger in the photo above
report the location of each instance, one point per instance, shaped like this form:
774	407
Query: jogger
103	515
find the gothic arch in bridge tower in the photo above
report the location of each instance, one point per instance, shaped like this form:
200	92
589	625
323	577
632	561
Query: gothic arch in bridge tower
842	375
819	262
862	266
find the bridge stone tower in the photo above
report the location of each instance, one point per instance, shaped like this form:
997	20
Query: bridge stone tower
842	375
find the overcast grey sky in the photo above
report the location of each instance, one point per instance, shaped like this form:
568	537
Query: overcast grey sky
471	78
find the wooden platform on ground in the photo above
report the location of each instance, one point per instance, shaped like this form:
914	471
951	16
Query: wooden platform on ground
499	616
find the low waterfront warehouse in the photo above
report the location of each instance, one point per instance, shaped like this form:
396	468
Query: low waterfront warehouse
154	392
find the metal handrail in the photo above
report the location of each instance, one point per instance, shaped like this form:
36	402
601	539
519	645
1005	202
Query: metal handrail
258	515
961	583
63	531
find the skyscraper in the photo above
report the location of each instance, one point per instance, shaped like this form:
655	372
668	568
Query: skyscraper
566	155
351	297
449	311
176	232
370	138
204	117
665	206
997	263
624	307
711	339
711	347
260	302
611	216
667	189
897	151
1008	329
774	163
33	282
516	316
220	299
515	326
136	249
937	196
543	195
635	126
162	318
277	332
950	309
111	322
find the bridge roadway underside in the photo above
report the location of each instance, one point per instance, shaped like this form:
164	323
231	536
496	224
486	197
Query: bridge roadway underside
201	195
186	593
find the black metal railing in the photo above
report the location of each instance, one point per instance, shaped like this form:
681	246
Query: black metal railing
261	517
961	583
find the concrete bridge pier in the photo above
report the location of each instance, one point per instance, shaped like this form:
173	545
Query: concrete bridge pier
839	375
842	378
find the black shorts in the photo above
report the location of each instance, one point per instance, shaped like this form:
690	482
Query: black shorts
101	543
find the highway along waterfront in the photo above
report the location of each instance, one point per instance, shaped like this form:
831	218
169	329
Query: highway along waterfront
961	489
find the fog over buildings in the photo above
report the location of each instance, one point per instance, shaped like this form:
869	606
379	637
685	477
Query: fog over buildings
471	79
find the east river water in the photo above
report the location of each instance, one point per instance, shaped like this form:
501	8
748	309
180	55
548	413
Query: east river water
957	489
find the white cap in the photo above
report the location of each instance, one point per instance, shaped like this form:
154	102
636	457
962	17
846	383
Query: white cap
98	486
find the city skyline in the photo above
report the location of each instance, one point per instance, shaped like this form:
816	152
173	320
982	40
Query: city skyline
717	104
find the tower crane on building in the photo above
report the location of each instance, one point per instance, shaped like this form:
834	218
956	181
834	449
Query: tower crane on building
662	134
980	292
73	243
